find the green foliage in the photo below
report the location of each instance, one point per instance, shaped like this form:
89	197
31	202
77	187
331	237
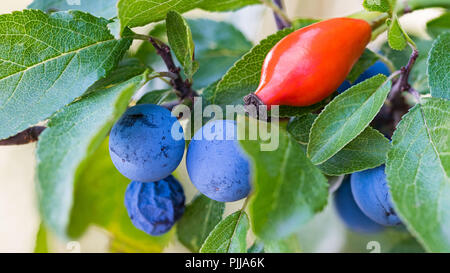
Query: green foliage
229	236
439	25
417	168
217	46
287	189
199	219
180	40
99	200
396	35
243	78
135	13
367	59
225	5
418	76
439	67
74	133
421	4
41	244
377	5
289	245
158	97
46	61
346	117
368	150
100	8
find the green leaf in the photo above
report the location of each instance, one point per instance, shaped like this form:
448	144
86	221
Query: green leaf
418	76
367	59
409	245
289	245
439	67
418	168
46	61
158	97
439	25
127	69
199	219
41	245
74	133
421	4
226	5
99	200
135	13
257	247
286	111
180	40
100	8
377	5
243	78
396	35
229	236
218	45
287	189
300	127
346	117
366	151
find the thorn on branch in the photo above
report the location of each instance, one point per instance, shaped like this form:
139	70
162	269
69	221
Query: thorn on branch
28	136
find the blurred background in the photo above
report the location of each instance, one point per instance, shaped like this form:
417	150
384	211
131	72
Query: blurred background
19	218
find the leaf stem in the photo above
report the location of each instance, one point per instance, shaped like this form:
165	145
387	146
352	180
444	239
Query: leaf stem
386	61
28	136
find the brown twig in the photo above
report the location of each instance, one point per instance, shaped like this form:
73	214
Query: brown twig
183	87
28	136
394	109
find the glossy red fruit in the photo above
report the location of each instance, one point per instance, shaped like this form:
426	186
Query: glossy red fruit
311	63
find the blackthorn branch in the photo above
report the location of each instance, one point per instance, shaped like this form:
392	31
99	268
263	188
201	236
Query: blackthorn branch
28	136
183	87
281	23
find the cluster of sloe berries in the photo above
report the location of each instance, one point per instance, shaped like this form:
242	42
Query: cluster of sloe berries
143	148
363	200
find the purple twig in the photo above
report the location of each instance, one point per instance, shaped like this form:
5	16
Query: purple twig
281	24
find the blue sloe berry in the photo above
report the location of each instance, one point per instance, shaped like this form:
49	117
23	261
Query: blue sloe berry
141	144
371	193
378	68
155	207
349	211
216	163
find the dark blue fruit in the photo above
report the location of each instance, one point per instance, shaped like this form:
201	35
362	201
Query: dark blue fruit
378	68
155	207
371	193
349	211
141	144
216	164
